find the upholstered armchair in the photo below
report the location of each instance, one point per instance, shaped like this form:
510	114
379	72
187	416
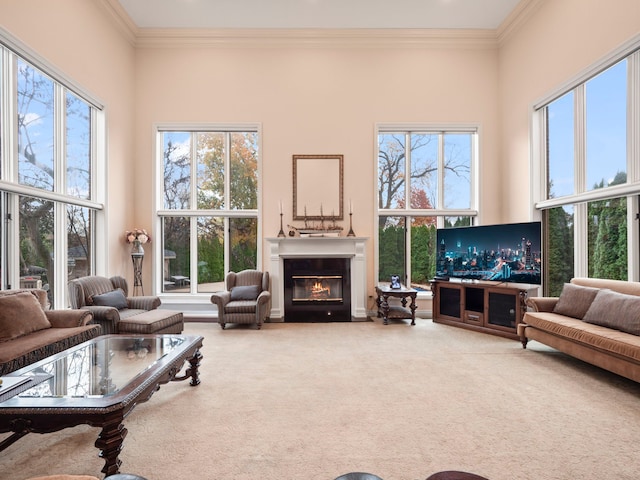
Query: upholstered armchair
246	300
112	307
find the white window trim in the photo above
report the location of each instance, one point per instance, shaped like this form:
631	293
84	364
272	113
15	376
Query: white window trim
474	173
9	168
631	190
196	297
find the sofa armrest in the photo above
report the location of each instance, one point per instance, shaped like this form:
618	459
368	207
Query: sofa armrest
221	299
148	302
542	304
68	318
264	297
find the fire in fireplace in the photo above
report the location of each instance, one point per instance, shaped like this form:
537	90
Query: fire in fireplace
317	290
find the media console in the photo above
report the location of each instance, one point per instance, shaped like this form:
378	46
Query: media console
482	306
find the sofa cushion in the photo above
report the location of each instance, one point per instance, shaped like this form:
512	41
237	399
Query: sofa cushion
114	299
247	292
575	300
615	310
21	314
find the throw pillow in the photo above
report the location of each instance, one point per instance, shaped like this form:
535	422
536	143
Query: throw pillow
20	314
575	300
115	299
615	310
249	292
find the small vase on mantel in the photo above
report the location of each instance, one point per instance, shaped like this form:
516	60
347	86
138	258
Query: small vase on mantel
136	248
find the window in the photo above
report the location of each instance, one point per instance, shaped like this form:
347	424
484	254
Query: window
47	195
426	180
209	214
589	200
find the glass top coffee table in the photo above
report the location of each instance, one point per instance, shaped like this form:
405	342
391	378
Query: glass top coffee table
98	383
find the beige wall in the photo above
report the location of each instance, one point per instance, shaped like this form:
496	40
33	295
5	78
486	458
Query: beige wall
319	100
560	39
82	41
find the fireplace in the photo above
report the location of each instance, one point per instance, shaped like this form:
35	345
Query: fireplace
317	290
352	249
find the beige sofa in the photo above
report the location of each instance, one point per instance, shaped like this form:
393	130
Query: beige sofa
595	320
29	331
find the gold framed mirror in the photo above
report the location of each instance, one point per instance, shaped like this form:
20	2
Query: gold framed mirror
317	187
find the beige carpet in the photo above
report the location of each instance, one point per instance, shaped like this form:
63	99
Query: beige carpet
315	401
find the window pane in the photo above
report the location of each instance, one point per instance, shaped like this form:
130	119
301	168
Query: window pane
424	171
559	261
606	104
457	170
35	128
244	170
78	147
176	253
607	222
391	248
177	170
210	254
391	170
457	222
423	251
560	146
243	236
210	157
36	242
79	243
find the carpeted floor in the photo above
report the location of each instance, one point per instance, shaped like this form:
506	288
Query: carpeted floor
318	400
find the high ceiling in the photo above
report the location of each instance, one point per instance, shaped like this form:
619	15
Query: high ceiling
320	14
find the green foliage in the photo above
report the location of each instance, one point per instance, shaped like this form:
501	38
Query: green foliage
210	260
559	255
608	235
391	252
423	253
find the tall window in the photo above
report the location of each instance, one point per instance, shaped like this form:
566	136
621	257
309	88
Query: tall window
426	179
48	195
591	190
209	213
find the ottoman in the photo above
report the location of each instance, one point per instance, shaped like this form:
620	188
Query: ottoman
152	321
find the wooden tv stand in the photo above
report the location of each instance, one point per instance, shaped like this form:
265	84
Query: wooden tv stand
489	307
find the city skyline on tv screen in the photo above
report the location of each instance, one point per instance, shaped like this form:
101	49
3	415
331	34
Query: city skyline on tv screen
503	253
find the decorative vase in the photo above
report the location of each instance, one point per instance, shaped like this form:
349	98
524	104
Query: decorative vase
136	248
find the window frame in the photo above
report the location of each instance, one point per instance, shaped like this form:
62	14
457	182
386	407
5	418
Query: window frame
11	50
440	212
194	213
579	200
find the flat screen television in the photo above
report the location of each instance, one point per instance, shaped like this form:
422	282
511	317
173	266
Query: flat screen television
509	252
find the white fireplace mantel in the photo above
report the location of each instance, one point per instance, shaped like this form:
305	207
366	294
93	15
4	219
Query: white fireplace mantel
319	247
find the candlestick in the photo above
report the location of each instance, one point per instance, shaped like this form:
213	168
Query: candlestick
281	232
351	232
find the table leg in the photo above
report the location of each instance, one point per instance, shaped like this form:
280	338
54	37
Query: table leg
110	443
385	309
413	308
192	370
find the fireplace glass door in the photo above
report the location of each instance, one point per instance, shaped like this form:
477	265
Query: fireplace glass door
317	288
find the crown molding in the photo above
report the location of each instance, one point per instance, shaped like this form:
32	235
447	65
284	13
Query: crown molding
520	15
121	19
317	38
